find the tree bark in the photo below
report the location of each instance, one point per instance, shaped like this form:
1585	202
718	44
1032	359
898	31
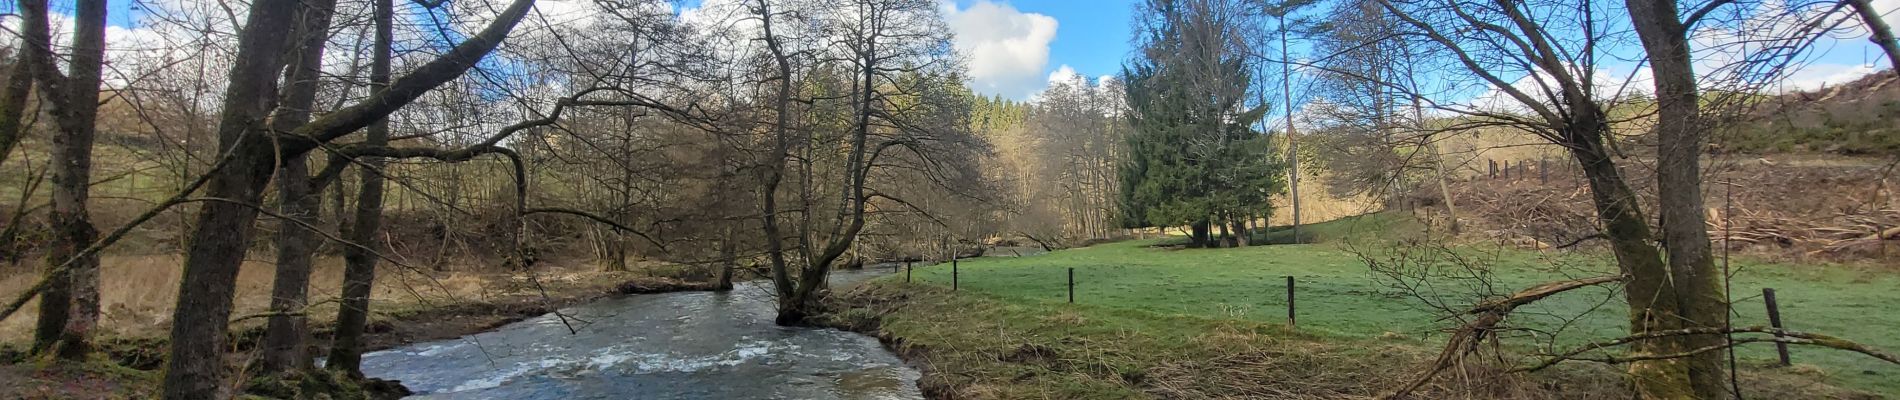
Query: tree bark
57	297
70	309
216	248
728	253
1680	133
781	151
1438	164
359	270
298	197
1241	236
13	99
1649	294
1292	145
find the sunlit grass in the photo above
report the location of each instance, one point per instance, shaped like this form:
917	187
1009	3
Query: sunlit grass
1338	296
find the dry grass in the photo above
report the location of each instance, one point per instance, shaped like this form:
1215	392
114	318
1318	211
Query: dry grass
1319	205
140	291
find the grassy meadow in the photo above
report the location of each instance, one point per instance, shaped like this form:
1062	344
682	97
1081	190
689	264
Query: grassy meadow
1339	298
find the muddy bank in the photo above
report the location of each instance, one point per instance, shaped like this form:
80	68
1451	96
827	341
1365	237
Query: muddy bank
863	312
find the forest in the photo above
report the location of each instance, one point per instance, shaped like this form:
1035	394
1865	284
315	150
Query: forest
307	199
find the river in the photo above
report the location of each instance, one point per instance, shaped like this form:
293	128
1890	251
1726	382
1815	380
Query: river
685	345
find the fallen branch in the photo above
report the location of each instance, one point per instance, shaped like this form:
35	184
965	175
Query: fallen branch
1781	335
1465	339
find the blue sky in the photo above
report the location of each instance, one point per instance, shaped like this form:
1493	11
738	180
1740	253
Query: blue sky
1091	38
1015	46
1095	36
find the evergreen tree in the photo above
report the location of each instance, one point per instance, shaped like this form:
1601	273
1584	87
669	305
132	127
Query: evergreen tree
1193	158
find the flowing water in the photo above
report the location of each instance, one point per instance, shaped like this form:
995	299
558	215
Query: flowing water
687	345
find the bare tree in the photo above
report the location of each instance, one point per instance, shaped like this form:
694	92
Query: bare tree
359	271
223	227
287	329
1682	135
1564	107
69	310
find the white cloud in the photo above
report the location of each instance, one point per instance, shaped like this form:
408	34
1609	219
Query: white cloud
1007	49
1818	76
1607	84
1065	75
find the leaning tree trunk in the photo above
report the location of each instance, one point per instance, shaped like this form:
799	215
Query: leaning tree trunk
216	247
1241	233
1699	298
359	270
781	152
13	99
287	330
1651	297
70	310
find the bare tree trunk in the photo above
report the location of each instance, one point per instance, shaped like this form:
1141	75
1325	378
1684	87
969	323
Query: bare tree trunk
70	311
1438	160
1292	146
728	249
781	151
359	270
1241	236
57	297
287	329
1650	296
217	244
1680	133
13	99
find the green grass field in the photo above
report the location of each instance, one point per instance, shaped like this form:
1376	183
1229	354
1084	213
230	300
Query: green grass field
1338	296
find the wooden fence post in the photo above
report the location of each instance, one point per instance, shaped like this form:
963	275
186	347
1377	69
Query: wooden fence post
1774	319
1289	302
906	272
1071	285
953	274
1494	167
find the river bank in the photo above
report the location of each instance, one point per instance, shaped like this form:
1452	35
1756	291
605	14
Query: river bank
127	366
